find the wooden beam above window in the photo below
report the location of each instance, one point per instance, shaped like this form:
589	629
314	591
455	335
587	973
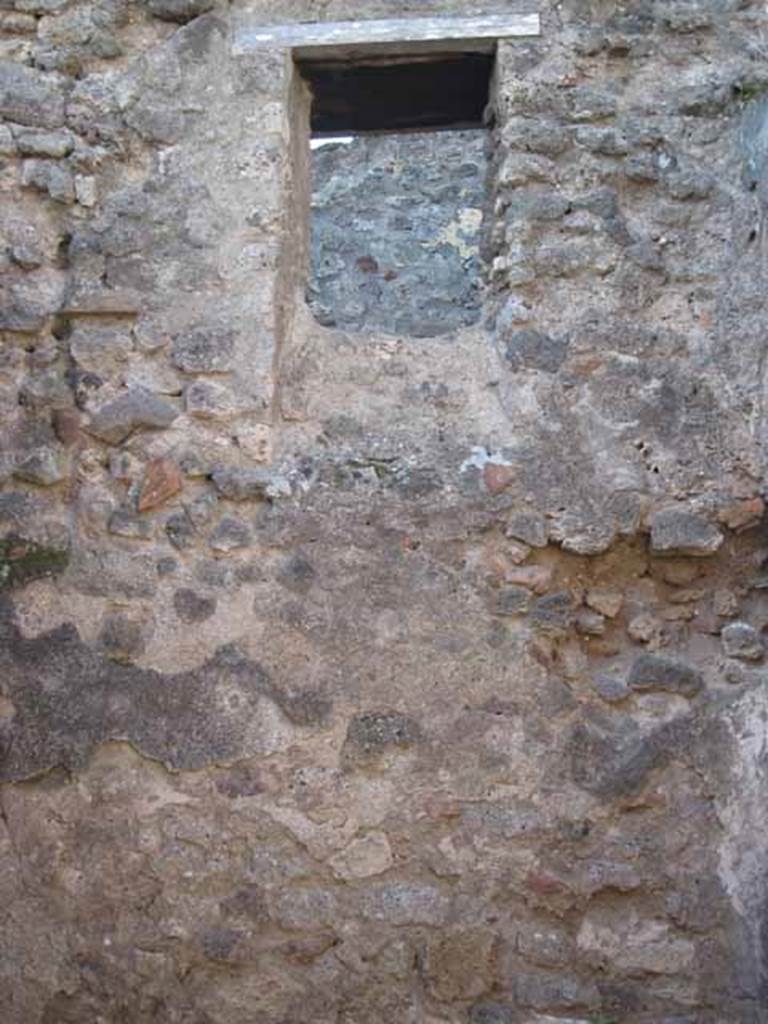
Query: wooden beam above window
398	35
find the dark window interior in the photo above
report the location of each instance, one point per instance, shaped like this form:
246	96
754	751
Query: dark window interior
436	91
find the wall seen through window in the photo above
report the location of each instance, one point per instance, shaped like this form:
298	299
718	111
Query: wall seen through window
396	221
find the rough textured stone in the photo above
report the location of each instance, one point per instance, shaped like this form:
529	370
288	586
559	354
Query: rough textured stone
180	11
363	858
397	759
162	481
49	176
50	144
208	400
121	637
657	672
532	350
30	97
204	350
637	943
134	409
44	466
606	601
247	484
375	732
124	522
678	532
230	534
741	640
414	272
192	607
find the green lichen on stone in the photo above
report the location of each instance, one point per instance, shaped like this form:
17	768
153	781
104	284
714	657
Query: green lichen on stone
23	560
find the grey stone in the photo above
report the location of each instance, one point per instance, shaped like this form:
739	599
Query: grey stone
30	97
511	601
704	100
556	991
106	572
494	1013
657	672
535	204
590	104
529	527
611	688
679	532
7	143
605	141
43	389
297	574
395	245
100	351
51	177
230	534
45	467
646	254
545	943
179	11
16	507
180	530
219	943
248	484
642	167
202	509
538	136
17	23
125	522
509	819
208	400
589	623
741	640
41	6
40	143
532	350
122	637
130	411
689	184
204	350
374	731
26	255
685	16
192	607
552	613
403	903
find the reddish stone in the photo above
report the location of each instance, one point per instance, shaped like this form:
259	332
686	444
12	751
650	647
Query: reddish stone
586	365
497	477
535	577
742	514
162	479
442	807
66	426
544	884
367	264
309	948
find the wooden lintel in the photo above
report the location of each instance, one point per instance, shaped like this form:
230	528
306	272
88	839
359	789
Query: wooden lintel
314	38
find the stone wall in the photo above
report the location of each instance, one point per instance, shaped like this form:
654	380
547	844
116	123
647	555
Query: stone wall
396	231
355	678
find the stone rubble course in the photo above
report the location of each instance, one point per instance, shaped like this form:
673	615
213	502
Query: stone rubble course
382	648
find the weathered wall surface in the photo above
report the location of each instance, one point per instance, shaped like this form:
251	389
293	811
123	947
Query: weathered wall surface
350	678
396	232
